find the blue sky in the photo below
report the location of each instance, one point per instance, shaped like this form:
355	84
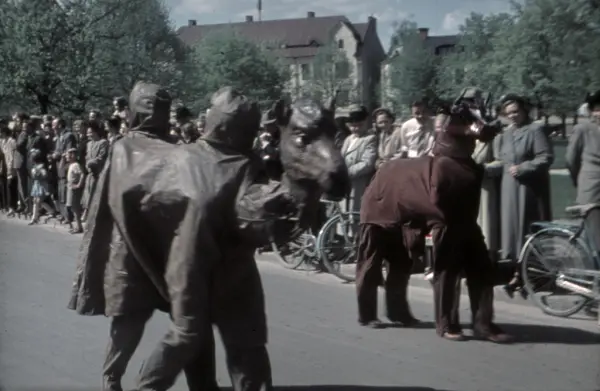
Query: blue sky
441	16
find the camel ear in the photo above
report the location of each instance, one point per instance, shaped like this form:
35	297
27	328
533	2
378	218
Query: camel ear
281	111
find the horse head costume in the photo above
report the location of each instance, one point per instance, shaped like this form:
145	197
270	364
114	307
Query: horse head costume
437	194
176	227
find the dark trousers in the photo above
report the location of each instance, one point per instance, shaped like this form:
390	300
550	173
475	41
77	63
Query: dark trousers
125	335
23	188
456	254
12	193
3	193
376	245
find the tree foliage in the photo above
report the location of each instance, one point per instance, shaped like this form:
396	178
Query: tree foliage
76	54
413	67
225	58
477	59
546	50
330	71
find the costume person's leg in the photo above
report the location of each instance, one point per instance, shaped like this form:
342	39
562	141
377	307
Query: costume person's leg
242	322
369	262
396	283
125	335
479	273
446	277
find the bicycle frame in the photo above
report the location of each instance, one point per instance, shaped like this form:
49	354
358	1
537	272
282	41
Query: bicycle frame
569	279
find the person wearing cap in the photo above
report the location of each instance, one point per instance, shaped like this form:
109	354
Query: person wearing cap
359	151
267	145
384	127
415	137
524	153
583	163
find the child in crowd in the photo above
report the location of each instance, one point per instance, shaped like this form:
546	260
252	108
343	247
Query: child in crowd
75	183
40	187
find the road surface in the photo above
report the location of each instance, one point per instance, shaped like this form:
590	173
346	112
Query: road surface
315	342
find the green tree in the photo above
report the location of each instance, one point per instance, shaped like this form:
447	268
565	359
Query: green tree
227	59
479	59
329	71
69	55
412	67
555	67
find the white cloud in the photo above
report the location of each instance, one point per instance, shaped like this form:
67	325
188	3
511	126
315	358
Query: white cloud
453	20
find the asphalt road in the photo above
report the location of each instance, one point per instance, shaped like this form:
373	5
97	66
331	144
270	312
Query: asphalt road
315	342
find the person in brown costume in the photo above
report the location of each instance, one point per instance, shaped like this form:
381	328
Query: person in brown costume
132	305
439	194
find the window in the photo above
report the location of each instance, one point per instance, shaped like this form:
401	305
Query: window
340	44
305	71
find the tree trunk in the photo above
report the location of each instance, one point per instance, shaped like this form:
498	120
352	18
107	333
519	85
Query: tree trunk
43	103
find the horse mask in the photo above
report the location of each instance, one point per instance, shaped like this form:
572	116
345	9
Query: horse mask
232	120
457	127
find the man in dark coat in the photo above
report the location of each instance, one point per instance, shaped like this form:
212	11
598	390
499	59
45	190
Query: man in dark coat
437	194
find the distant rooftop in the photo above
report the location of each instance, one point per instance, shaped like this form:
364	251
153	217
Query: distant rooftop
300	37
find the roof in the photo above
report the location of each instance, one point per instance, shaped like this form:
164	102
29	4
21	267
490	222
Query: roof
435	41
296	34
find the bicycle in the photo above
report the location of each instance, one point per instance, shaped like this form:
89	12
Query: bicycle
559	258
332	247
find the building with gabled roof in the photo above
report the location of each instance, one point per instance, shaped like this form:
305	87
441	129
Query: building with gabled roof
297	41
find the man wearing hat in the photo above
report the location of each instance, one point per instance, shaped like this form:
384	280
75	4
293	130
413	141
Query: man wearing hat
359	151
583	163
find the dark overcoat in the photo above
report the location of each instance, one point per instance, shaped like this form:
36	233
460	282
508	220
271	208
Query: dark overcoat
175	221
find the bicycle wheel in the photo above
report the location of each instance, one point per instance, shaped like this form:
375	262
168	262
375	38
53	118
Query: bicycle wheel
542	259
296	252
336	245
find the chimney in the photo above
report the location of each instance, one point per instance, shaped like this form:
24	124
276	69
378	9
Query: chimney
249	18
373	21
423	32
192	22
310	14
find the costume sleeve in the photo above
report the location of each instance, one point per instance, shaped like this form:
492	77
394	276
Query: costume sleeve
366	164
574	152
542	152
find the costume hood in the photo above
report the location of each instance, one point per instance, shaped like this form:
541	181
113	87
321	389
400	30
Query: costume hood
232	120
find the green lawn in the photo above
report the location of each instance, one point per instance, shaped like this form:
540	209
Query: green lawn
563	194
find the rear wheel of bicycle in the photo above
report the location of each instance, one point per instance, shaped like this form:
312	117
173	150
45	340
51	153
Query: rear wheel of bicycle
337	243
543	258
295	252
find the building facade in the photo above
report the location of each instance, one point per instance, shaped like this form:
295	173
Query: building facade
298	42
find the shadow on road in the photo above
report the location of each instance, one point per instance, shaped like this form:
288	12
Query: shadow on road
529	333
